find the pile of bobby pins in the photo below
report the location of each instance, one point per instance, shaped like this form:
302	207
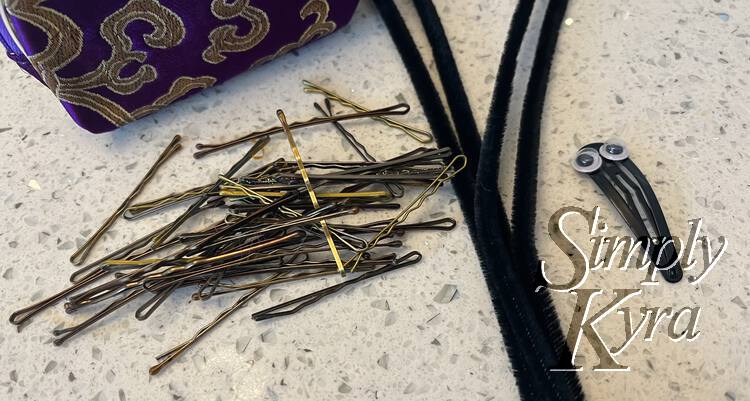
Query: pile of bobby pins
276	227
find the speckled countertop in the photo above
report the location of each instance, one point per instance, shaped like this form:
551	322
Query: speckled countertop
670	78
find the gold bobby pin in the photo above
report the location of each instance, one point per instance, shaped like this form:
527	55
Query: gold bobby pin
310	191
83	252
139	209
418	134
109	263
328	195
247	192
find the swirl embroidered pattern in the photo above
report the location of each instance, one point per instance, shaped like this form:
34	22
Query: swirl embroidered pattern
124	59
321	27
64	38
65	41
224	39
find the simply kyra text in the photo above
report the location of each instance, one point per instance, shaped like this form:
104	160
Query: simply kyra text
623	253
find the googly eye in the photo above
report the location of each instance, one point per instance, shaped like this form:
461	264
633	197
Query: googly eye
587	161
614	150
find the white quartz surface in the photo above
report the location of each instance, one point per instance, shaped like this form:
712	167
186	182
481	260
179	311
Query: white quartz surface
670	78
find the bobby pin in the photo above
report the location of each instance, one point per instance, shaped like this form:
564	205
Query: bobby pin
444	224
417	134
257	147
193	271
149	307
428	157
394	189
82	253
225	289
22	316
397	177
302	272
289	223
308	185
141	209
80	278
255	265
83	272
303	206
419	156
102	292
66	333
169	356
309	299
140	259
242	222
323	195
247	250
414	158
395	110
447	174
358	146
337	234
167	284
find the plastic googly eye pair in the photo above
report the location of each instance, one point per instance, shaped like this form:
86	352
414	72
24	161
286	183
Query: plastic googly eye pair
590	159
611	168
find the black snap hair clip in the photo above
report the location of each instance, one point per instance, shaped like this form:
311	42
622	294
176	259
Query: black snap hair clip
611	168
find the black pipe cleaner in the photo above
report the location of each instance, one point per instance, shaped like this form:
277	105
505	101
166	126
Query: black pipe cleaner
450	78
530	316
525	317
430	100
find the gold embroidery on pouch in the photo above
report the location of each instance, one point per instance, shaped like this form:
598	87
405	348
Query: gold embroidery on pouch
321	27
168	32
64	38
65	41
179	88
224	39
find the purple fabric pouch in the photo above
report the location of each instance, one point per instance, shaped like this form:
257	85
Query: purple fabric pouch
111	62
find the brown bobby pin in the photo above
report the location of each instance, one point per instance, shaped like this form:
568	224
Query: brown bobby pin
309	299
395	110
82	253
259	145
169	356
